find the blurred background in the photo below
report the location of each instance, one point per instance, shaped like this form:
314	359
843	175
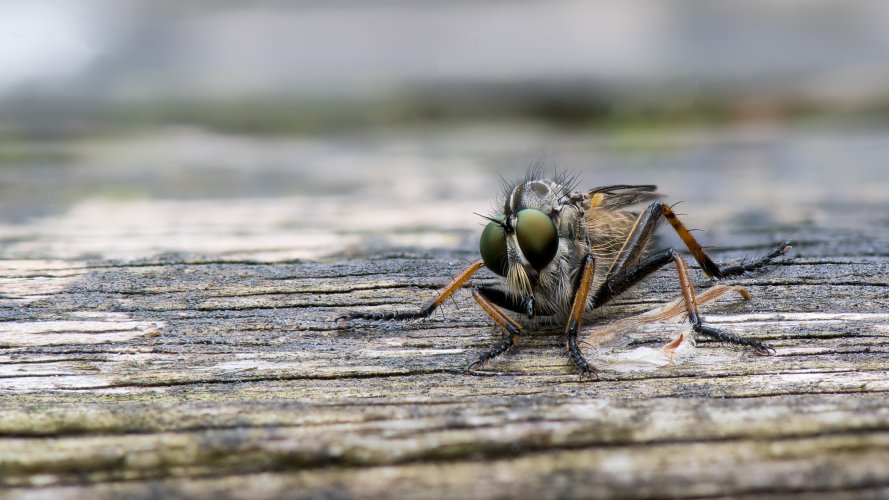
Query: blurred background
109	106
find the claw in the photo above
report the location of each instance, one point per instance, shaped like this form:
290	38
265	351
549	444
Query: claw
765	350
589	374
473	365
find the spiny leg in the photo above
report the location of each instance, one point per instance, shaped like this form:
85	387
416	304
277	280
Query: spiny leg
612	330
621	276
691	303
526	306
695	318
428	309
578	307
643	229
711	268
512	329
486	298
630	277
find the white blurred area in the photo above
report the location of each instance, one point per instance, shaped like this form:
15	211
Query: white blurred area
42	44
826	51
130	128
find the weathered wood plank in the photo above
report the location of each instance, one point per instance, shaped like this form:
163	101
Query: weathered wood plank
278	342
189	347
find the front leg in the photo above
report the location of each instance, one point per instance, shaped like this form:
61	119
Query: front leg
430	307
578	307
512	329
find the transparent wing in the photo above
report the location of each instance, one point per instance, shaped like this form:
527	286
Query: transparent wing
621	195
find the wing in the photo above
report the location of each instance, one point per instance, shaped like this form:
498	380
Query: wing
607	221
621	195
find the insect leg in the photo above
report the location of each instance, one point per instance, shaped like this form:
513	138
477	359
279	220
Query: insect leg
643	229
426	310
513	330
620	276
578	307
711	268
637	239
694	317
629	277
510	303
611	330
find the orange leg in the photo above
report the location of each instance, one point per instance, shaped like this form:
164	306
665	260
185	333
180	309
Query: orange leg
704	260
609	332
513	329
578	307
429	308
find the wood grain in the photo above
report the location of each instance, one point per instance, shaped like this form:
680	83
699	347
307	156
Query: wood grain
188	347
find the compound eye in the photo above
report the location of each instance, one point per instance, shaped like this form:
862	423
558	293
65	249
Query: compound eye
537	237
492	246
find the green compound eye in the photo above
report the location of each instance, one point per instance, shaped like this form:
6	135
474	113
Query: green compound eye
537	237
492	246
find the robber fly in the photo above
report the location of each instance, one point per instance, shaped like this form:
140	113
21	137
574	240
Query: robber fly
561	253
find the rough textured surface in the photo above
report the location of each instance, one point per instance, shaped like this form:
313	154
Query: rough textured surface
187	346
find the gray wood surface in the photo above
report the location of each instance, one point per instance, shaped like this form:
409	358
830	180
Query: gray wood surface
168	305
